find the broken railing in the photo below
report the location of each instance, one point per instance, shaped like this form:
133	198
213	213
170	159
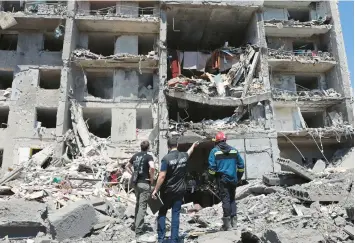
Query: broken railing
123	11
306	54
305	94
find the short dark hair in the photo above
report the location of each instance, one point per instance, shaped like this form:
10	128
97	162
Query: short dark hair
173	142
145	145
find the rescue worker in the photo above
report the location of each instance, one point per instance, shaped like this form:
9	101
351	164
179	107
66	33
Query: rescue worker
226	166
172	185
143	164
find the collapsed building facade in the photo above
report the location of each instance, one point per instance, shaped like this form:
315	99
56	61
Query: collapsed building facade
272	75
82	83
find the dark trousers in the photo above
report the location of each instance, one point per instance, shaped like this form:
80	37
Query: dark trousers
227	195
173	201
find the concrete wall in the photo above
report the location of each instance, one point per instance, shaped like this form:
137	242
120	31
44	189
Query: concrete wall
275	13
259	155
308	150
287	119
339	77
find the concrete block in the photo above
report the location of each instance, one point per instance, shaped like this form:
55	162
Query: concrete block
20	218
281	234
350	231
73	221
319	166
258	164
126	44
124	127
316	195
130	211
282	179
296	168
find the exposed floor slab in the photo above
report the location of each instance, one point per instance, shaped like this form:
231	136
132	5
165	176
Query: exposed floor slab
311	66
218	101
297	31
113	25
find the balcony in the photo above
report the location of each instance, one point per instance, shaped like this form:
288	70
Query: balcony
300	61
311	100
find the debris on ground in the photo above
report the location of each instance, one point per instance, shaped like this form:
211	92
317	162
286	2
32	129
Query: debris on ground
84	195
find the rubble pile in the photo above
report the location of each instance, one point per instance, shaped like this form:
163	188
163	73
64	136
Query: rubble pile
280	23
84	195
35	7
316	94
86	54
5	94
231	80
302	56
211	126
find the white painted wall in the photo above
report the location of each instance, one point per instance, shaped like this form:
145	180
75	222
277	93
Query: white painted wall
287	119
275	13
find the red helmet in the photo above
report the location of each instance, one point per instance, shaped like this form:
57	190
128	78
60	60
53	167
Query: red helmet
220	136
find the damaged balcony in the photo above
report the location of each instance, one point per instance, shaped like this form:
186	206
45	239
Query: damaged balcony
103	16
233	82
118	85
306	61
107	50
31	14
323	125
208	62
135	9
298	21
309	92
187	116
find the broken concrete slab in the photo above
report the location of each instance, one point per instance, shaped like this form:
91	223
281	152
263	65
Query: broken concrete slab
21	218
319	166
282	179
281	234
316	195
349	230
296	168
73	221
218	101
223	236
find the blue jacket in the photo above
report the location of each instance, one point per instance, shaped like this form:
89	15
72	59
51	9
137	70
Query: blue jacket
225	161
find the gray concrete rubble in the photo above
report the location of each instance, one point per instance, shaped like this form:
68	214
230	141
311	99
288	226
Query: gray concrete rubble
72	222
234	83
20	218
83	83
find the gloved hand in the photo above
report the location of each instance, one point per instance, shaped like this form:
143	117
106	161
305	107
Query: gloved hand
211	178
240	175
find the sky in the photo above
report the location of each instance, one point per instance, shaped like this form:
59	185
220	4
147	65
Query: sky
346	9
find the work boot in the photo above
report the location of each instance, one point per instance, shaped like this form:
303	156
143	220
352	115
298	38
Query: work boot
226	223
233	222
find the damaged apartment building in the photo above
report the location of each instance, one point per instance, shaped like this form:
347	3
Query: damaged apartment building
271	74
